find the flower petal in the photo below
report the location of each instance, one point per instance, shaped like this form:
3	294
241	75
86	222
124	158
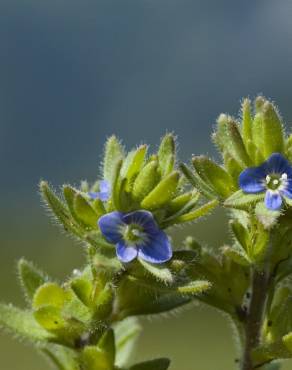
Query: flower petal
110	226
126	253
273	200
104	192
287	191
93	195
252	180
104	186
144	219
278	164
157	250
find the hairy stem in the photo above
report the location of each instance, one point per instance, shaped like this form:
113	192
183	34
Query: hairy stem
254	318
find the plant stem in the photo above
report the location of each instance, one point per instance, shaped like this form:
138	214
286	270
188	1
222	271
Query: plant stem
254	318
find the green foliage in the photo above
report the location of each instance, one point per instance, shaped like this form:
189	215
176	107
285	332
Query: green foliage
88	322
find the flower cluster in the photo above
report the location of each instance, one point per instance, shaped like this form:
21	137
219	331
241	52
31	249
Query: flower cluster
274	177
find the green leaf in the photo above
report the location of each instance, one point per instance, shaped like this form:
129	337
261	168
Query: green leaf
162	193
116	185
287	340
197	182
214	175
257	126
50	318
30	277
146	180
160	272
69	195
159	364
166	154
22	323
194	287
59	209
84	211
240	233
232	166
114	152
193	215
93	358
180	201
241	200
133	164
237	255
104	302
63	358
49	294
229	140
107	345
82	287
126	334
273	130
246	122
134	297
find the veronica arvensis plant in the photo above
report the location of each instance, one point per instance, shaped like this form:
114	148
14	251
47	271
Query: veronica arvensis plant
133	268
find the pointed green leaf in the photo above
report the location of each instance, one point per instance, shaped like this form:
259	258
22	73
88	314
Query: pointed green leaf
31	278
232	166
193	215
166	154
146	180
63	358
162	193
160	272
241	200
159	364
94	358
180	201
114	152
273	130
134	163
237	148
287	340
82	287
58	208
22	323
194	287
229	140
84	211
237	255
69	195
107	345
49	294
246	122
214	175
104	303
50	318
197	182
126	334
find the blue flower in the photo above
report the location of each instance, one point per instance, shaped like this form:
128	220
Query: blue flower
103	193
136	234
274	177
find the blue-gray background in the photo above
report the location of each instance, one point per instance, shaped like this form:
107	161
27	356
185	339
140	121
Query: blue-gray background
74	72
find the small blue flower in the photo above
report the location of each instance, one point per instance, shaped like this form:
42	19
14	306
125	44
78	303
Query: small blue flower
274	177
136	234
104	191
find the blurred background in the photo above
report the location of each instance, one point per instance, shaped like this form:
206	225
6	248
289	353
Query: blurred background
73	72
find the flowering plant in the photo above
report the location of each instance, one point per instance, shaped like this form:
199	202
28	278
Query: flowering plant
90	322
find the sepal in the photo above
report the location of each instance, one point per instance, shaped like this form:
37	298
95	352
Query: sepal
30	277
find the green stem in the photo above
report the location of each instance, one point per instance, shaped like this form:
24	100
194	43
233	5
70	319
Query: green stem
254	318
